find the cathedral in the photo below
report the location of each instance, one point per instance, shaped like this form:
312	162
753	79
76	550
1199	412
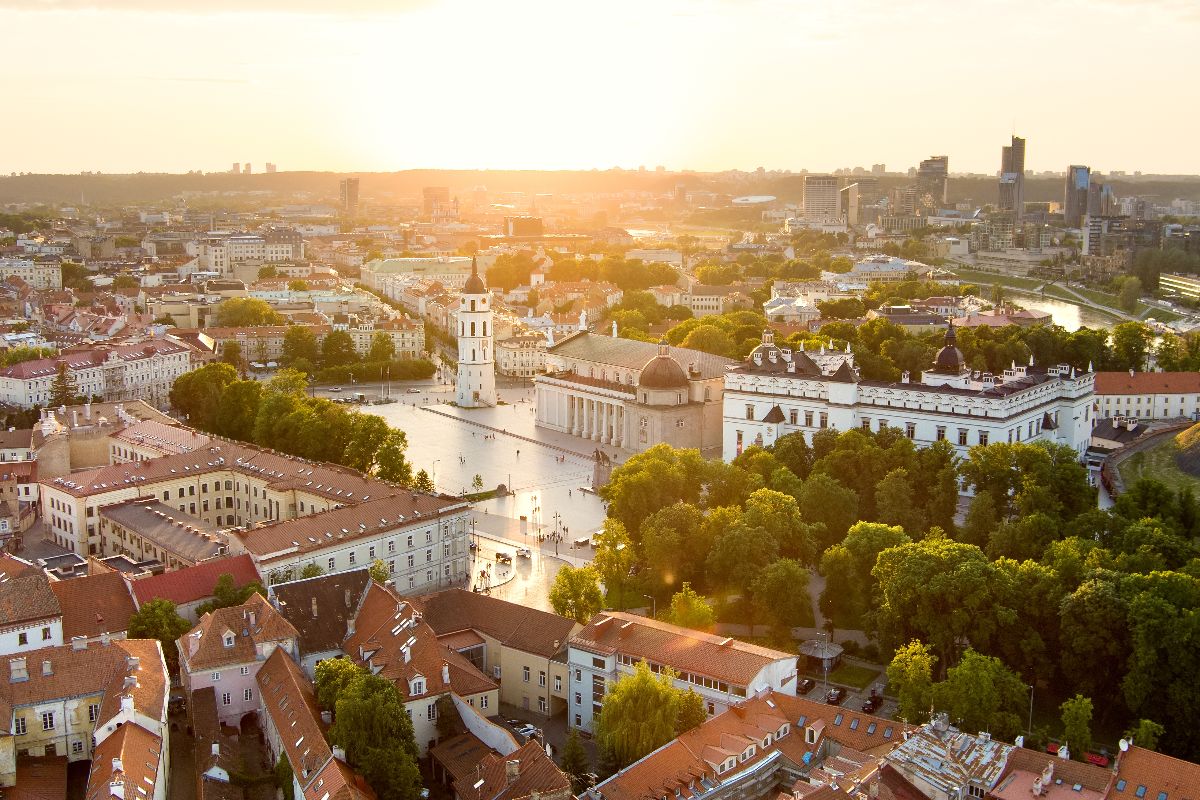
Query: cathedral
476	360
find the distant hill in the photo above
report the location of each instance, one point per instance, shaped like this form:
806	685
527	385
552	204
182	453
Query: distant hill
396	187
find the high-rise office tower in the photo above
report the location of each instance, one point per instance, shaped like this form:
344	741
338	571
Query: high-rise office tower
1075	194
821	197
247	169
237	168
1101	199
933	176
1012	177
270	168
849	203
348	191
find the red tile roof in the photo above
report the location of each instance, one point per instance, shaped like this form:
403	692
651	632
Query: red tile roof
520	627
94	604
1148	383
682	649
129	755
1159	773
253	624
39	778
536	773
194	583
290	700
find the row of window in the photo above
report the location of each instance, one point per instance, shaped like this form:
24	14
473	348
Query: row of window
20	726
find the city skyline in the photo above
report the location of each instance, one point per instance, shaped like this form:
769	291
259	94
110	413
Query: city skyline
707	85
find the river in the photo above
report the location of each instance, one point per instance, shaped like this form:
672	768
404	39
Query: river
1068	315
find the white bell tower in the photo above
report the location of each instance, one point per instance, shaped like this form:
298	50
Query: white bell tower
476	361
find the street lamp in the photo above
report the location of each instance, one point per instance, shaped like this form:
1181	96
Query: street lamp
1029	730
434	478
653	606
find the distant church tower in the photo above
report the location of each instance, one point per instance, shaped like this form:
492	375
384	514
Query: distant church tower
476	361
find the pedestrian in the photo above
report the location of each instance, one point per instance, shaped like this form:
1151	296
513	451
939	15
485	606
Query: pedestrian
518	454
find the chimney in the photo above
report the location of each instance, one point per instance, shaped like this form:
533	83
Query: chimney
314	607
16	670
347	598
407	654
445	673
339	753
512	770
47	668
127	704
327	717
79	643
117	766
216	749
904	376
252	618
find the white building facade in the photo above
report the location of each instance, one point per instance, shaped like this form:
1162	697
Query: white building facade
776	392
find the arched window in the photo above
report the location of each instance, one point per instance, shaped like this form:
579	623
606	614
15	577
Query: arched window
472	305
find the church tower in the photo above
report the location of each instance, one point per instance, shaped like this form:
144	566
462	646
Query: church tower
476	361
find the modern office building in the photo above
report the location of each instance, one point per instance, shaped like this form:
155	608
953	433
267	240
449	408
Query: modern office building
821	200
849	202
348	191
1075	194
1012	177
933	177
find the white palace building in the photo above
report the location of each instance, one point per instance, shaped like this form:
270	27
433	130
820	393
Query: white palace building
777	391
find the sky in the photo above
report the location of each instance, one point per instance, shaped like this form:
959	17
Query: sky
366	85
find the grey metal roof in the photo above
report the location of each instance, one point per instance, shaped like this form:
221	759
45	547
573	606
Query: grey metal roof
633	355
190	537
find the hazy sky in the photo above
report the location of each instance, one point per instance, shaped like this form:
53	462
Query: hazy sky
172	85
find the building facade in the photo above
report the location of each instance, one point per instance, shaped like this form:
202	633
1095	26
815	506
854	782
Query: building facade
777	391
1148	395
631	394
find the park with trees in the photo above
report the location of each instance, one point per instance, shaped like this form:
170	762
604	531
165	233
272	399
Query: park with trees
279	414
1033	586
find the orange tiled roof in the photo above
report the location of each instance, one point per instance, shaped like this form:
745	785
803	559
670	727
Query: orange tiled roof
94	604
289	699
537	773
1160	774
130	755
386	625
1148	383
253	624
682	649
523	628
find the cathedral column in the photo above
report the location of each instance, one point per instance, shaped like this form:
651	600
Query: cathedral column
595	421
585	426
619	439
605	430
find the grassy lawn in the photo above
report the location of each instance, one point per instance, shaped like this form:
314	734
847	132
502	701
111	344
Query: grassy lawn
985	279
1159	463
853	675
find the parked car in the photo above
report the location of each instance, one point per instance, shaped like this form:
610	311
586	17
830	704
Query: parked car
503	558
414	390
336	389
473	547
805	686
523	552
516	723
872	704
836	695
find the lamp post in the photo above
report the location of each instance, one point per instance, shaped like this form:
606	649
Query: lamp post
653	606
824	664
1029	730
434	477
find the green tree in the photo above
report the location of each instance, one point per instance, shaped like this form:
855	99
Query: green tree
1129	294
639	713
63	390
337	350
828	502
614	558
231	354
332	676
670	550
237	410
367	433
850	587
910	677
691	610
370	723
779	515
1077	723
649	481
246	312
379	571
574	762
312	570
300	343
692	713
125	282
710	339
227	594
780	593
1145	733
477	483
1130	345
576	593
423	483
266	272
739	556
17	355
197	394
793	452
895	503
297	286
984	695
390	463
382	347
158	619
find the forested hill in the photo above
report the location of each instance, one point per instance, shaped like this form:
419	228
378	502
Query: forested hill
401	187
